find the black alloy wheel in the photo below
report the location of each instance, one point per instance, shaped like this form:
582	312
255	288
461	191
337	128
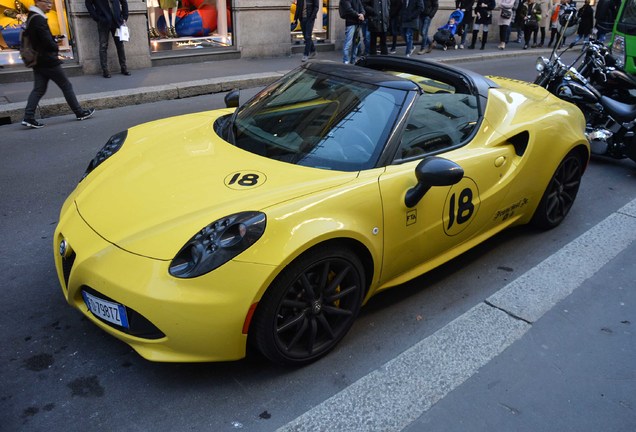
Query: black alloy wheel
310	307
559	196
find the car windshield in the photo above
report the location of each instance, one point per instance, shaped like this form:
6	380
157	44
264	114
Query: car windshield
319	120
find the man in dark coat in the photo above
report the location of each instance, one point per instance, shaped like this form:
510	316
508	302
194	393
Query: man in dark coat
353	13
306	12
48	67
394	22
377	13
109	16
430	9
605	15
411	11
586	23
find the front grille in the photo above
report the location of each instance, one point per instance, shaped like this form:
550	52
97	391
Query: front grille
139	325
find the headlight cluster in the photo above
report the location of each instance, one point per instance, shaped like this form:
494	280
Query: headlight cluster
540	64
618	51
113	144
218	243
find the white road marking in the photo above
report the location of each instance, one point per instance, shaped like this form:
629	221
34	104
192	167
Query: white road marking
394	395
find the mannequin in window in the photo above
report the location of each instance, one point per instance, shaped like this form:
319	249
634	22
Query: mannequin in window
170	14
153	33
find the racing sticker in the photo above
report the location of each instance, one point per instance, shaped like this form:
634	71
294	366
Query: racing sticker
244	179
462	204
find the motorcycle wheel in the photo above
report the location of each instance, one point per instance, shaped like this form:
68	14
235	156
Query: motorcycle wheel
559	196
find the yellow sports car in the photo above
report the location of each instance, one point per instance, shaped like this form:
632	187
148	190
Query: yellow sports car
271	224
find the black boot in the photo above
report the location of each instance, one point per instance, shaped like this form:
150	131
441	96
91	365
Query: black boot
484	38
473	40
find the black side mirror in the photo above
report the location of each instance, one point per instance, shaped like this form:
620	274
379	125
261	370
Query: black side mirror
232	99
432	171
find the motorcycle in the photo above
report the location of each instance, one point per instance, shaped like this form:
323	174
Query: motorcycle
601	96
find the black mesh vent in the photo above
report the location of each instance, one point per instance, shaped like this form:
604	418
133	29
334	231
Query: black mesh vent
67	265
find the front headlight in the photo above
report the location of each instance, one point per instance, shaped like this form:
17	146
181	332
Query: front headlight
113	144
218	243
618	51
541	64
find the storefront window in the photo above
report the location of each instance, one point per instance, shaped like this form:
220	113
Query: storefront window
13	16
320	25
188	24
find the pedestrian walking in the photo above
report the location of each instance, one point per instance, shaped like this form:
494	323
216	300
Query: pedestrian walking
604	16
395	10
411	11
518	20
505	18
483	19
377	14
306	12
546	7
427	15
109	16
48	66
586	23
530	14
466	26
554	24
352	12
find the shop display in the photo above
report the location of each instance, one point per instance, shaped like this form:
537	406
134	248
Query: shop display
13	15
188	24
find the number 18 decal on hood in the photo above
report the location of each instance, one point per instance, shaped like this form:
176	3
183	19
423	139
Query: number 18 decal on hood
244	179
462	204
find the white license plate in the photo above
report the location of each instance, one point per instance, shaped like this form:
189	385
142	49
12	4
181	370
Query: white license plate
106	310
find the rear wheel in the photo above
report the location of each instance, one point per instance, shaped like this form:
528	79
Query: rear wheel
559	196
310	307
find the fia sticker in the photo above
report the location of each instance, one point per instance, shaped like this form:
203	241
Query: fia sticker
411	217
245	180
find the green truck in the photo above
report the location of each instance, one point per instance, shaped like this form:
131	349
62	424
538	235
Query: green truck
623	42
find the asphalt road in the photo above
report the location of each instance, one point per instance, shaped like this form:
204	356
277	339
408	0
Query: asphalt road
62	373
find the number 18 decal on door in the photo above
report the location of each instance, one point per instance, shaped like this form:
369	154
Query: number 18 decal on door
462	204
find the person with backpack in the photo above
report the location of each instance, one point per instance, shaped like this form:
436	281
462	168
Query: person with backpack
48	66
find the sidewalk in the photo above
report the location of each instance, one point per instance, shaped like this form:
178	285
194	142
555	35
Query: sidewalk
194	79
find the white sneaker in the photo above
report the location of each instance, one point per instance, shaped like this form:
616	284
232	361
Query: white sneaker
304	59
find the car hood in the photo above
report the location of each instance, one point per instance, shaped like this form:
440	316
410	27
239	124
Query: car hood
173	177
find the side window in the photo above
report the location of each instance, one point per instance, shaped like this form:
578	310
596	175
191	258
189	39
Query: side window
438	122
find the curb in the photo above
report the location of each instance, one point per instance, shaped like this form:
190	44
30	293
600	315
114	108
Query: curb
13	112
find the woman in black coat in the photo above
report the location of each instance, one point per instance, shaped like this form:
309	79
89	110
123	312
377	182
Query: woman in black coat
483	17
377	13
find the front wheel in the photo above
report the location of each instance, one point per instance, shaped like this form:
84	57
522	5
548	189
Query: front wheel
309	307
559	196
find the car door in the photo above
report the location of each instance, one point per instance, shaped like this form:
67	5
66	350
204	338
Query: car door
448	219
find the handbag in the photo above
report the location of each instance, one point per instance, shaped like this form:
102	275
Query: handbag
122	33
506	13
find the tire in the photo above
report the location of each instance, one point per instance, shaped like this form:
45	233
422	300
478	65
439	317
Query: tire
559	196
310	307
